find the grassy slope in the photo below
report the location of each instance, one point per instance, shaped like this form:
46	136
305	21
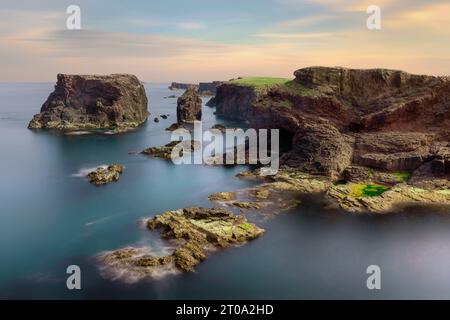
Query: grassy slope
289	86
260	81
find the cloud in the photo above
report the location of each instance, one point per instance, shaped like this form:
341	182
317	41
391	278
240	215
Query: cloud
431	16
307	21
293	35
192	25
34	46
144	23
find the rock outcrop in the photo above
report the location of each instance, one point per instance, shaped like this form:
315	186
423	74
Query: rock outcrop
402	194
189	106
85	102
106	175
182	86
203	88
366	190
200	228
234	101
208	88
196	231
331	118
177	148
175	126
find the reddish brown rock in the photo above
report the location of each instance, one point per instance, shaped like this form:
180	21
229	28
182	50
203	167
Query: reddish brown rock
81	102
189	106
330	118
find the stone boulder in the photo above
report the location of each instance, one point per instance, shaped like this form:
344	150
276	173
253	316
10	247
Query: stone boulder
106	175
319	148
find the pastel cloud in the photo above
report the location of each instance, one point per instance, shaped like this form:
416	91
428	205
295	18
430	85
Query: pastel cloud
34	45
192	25
280	35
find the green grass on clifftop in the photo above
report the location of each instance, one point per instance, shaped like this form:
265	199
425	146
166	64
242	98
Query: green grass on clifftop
259	81
287	85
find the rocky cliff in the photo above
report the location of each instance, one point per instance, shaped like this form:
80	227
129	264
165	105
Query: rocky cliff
189	106
330	118
208	88
83	102
234	101
182	86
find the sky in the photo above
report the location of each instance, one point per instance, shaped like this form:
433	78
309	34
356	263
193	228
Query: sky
198	40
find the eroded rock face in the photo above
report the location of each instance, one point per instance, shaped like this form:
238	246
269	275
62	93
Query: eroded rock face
233	101
393	151
84	102
319	148
196	230
182	86
208	88
330	118
189	106
106	175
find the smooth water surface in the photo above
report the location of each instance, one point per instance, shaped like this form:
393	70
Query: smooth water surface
51	217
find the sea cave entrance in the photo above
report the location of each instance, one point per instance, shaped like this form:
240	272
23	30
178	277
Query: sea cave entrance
286	141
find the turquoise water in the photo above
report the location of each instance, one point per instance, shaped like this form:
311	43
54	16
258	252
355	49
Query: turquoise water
51	218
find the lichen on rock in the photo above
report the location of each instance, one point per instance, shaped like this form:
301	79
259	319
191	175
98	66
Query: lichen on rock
197	230
106	175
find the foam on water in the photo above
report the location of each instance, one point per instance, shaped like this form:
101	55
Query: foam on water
117	271
83	172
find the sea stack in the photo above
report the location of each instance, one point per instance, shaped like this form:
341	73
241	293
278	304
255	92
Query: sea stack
189	106
116	102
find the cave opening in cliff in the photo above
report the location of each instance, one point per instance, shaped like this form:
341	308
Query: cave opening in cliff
286	138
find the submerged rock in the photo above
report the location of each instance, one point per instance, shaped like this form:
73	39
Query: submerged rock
87	102
105	175
189	106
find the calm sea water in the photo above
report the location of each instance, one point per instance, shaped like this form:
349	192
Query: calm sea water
50	218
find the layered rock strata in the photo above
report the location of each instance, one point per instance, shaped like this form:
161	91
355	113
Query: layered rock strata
116	102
